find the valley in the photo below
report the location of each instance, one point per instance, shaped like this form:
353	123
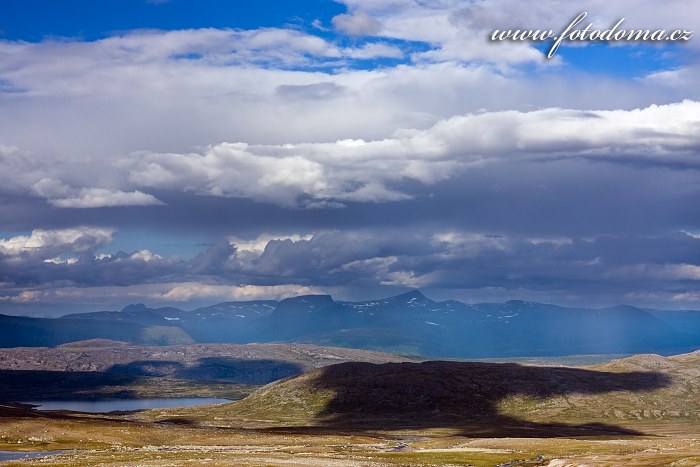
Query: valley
349	407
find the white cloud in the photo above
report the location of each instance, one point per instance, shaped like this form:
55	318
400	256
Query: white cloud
386	271
406	279
467	244
281	174
680	271
194	290
172	91
58	260
145	255
160	292
49	244
258	244
63	196
233	170
692	297
374	50
458	29
357	24
365	171
27	296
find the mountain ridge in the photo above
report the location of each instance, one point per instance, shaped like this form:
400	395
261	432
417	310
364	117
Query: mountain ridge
409	323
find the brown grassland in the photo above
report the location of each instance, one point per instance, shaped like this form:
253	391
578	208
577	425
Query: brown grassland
639	411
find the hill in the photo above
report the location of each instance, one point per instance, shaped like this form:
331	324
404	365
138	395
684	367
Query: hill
101	368
480	399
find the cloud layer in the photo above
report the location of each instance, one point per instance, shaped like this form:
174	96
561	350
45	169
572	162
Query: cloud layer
329	174
62	265
389	147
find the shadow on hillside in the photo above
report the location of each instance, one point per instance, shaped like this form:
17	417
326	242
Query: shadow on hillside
464	396
118	381
224	369
239	371
155	368
23	385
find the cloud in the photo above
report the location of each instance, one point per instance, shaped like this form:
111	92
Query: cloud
366	262
356	24
347	170
63	196
27	296
458	30
173	91
315	91
374	50
370	171
193	290
307	160
46	244
328	175
468	260
258	245
110	297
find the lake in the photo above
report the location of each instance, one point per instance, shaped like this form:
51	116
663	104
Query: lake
112	405
16	455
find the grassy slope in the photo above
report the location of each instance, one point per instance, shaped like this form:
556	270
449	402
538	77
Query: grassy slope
281	425
304	400
677	403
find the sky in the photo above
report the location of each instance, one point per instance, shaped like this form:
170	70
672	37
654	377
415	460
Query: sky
184	153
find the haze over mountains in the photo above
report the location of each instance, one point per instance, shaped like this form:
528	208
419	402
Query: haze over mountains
409	324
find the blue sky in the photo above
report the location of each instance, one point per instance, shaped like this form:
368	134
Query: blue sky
92	20
186	152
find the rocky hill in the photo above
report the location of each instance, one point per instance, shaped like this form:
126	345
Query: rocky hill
106	369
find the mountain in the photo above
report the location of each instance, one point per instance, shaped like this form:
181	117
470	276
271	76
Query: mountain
224	322
681	320
409	324
412	323
136	314
20	331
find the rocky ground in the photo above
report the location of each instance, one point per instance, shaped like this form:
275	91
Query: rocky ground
99	369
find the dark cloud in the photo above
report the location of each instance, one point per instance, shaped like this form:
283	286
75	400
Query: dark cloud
601	268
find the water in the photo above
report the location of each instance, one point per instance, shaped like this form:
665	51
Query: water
105	406
566	360
16	455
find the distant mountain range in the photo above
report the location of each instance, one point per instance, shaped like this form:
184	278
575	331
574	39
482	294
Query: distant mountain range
409	324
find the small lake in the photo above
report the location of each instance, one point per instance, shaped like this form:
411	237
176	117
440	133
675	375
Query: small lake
16	455
112	405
